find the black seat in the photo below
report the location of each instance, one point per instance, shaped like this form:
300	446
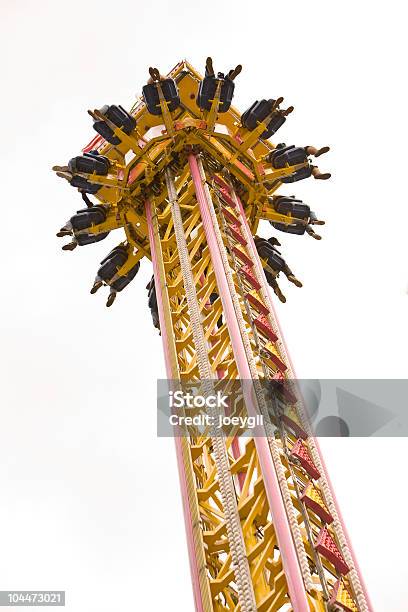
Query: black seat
123	281
152	297
213	298
117	115
300	174
120	117
276	122
258	112
170	93
89	163
266	251
289	156
276	262
88	217
106	132
207	90
263	247
152	300
82	183
279	150
270	278
112	262
290	205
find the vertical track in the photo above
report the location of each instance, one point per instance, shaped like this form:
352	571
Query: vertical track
243	578
295	582
234	553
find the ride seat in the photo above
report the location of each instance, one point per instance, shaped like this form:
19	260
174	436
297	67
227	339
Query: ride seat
207	90
300	174
89	163
88	217
289	205
170	93
112	262
81	183
276	122
123	281
257	113
266	251
120	117
290	156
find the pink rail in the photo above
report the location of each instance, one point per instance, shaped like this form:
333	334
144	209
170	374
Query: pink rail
287	548
179	453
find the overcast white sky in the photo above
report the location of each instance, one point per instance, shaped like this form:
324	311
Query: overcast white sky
90	499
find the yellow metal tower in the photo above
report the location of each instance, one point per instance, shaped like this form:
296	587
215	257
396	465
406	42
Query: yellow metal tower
189	178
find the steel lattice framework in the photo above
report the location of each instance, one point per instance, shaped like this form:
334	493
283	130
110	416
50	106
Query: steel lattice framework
189	186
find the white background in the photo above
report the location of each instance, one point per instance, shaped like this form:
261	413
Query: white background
89	496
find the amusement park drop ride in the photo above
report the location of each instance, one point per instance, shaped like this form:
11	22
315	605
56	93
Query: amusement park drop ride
188	178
